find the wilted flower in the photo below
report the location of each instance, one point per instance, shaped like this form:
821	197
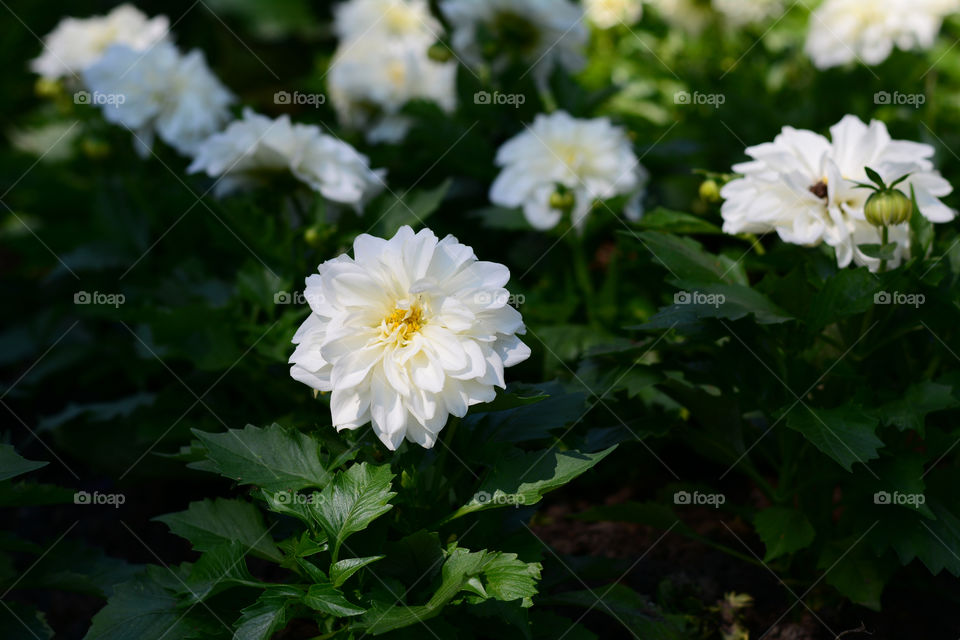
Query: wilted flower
407	332
541	33
589	159
842	31
256	145
804	187
160	90
76	43
607	14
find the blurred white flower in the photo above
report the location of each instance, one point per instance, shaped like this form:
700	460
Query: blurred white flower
801	185
370	80
409	20
407	332
160	90
256	145
607	14
51	142
742	12
591	159
842	31
541	33
689	15
76	43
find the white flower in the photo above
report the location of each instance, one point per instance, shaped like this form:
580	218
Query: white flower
407	332
255	145
689	15
540	33
408	20
801	185
160	90
370	80
607	14
591	158
742	12
76	43
842	31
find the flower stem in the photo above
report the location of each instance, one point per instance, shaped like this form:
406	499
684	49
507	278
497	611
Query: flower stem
885	238
581	271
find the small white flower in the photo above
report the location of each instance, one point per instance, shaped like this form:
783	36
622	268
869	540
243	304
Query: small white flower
842	31
408	20
407	332
801	185
591	158
743	12
607	14
255	145
370	81
76	43
689	15
161	90
541	33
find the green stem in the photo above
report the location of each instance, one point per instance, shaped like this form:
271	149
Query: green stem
581	271
885	238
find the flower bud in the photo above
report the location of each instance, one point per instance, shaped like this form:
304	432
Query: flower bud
47	88
95	148
312	237
439	52
887	208
710	191
562	201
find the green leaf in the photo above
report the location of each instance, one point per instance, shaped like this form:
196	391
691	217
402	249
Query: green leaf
25	493
921	228
330	600
353	500
410	208
848	292
846	433
341	571
783	531
910	410
268	614
724	301
855	572
661	219
273	458
218	569
501	218
209	524
878	251
687	260
628	608
23	622
13	464
875	177
524	479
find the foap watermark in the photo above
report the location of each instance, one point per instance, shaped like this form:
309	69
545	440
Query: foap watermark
700	298
97	498
915	100
696	498
499	299
314	100
110	299
914	300
499	498
291	297
512	99
99	99
712	99
295	497
897	498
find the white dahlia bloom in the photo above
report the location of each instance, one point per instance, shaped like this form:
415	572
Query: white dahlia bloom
801	185
607	14
407	332
842	31
541	33
403	20
591	159
255	146
76	43
370	80
160	90
743	12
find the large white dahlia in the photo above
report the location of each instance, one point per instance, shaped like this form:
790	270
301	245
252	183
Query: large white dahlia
255	146
160	90
407	332
76	43
842	31
802	186
542	33
592	159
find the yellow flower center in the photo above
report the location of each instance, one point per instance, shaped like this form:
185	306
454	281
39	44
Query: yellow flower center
403	323
400	19
396	73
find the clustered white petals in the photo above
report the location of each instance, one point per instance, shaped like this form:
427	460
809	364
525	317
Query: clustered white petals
738	13
802	186
592	159
160	91
406	333
256	145
844	31
542	33
607	14
77	43
382	63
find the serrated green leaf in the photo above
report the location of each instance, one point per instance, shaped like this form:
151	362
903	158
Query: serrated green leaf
353	500
220	568
661	219
330	600
341	571
910	410
724	301
686	259
268	614
855	572
783	531
210	523
13	464
846	433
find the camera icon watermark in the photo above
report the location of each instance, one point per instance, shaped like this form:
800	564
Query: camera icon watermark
498	98
915	300
314	100
99	99
686	498
915	100
498	498
496	299
291	297
715	100
296	497
699	298
109	299
97	498
901	499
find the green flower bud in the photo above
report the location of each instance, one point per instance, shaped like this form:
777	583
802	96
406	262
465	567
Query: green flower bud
95	148
439	52
710	191
887	208
562	201
312	237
